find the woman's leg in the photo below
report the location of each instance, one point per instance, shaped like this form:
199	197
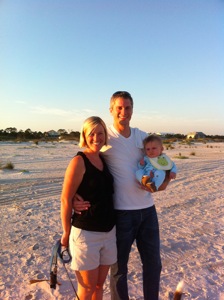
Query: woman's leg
103	271
90	283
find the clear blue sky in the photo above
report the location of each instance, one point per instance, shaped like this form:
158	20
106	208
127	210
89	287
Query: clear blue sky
60	62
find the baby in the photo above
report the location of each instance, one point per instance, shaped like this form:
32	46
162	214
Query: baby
152	168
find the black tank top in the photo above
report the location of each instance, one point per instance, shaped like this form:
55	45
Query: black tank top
97	188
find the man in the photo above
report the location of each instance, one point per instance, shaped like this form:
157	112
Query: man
136	217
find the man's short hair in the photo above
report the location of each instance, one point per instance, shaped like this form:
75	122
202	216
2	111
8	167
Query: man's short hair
121	94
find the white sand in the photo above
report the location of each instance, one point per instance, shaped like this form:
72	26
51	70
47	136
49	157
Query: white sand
190	212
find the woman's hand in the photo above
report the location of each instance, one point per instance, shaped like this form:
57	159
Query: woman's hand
79	204
65	240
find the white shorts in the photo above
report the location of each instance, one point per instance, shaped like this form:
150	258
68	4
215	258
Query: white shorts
89	249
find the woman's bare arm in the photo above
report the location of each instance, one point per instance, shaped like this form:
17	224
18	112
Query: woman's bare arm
72	180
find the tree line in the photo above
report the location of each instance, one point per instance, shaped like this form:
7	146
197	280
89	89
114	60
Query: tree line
11	133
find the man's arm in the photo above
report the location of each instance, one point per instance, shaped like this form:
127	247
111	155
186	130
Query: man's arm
79	204
165	182
162	186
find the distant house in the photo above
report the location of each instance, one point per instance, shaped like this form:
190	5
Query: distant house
196	135
163	134
53	134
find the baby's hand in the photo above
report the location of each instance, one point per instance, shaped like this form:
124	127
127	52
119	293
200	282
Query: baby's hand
142	162
172	175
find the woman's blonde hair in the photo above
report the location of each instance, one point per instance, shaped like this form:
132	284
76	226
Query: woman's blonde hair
89	125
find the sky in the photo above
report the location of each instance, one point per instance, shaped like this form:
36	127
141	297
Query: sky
61	60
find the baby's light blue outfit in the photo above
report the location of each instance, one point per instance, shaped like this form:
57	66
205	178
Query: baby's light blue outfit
158	166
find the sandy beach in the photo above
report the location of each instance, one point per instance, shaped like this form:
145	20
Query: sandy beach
190	211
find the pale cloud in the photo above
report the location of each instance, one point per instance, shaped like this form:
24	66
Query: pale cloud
51	111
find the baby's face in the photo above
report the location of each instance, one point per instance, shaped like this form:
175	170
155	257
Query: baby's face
153	149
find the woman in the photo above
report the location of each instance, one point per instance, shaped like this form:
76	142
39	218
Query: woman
91	234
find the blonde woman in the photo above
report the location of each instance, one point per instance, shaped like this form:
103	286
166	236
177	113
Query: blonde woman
91	234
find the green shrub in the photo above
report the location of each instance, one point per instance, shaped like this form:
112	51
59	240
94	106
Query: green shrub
8	166
181	156
169	146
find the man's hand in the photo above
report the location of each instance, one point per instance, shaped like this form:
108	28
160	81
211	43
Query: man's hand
165	182
79	204
172	175
162	186
145	188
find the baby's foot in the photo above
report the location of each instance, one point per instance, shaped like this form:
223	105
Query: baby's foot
145	180
151	186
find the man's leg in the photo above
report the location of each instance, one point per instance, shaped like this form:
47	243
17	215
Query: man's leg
148	243
125	238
